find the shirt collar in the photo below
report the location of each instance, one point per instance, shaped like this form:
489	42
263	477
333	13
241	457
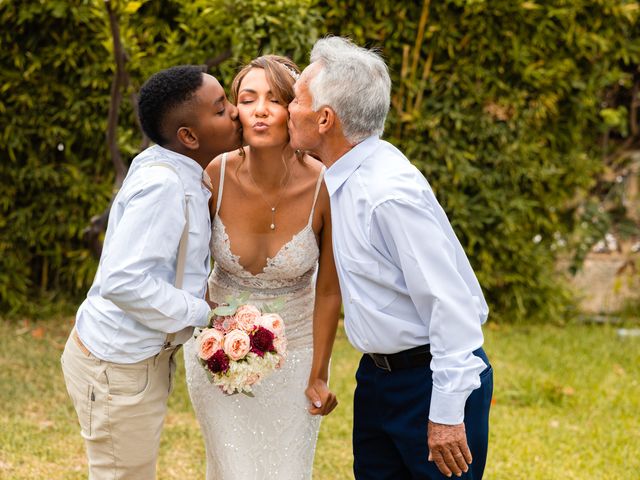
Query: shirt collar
187	166
339	172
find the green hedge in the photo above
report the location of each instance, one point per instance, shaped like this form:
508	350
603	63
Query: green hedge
499	104
56	68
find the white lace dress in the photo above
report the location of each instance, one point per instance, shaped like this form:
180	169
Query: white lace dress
272	435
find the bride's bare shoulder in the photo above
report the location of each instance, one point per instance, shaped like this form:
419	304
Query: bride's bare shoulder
214	168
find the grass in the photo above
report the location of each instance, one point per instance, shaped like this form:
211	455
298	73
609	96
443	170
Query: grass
566	405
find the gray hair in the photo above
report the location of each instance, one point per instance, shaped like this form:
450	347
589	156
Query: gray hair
355	83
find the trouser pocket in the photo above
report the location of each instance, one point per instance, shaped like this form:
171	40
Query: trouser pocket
127	380
80	390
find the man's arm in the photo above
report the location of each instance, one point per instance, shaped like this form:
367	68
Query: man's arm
412	236
144	242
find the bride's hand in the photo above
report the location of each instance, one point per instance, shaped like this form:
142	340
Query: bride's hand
323	400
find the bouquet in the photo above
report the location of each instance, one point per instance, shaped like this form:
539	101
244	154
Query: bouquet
241	345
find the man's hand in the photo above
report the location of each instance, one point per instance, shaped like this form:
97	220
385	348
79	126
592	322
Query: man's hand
448	448
323	400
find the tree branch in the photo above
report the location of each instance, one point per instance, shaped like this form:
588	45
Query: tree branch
120	79
633	109
119	82
218	59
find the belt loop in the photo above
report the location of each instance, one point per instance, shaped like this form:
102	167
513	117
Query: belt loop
381	361
386	363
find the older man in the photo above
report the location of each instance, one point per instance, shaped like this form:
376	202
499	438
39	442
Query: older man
412	300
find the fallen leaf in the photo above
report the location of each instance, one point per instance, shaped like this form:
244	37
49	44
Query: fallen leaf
37	332
45	424
618	369
568	390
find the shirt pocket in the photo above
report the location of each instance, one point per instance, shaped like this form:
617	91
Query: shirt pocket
364	283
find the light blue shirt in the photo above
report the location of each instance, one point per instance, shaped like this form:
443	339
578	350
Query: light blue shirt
404	276
133	303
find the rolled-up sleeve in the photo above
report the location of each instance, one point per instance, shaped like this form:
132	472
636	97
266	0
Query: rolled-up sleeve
409	232
138	268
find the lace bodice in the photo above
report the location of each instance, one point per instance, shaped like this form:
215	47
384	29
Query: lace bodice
290	269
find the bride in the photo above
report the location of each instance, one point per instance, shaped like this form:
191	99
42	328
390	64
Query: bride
271	238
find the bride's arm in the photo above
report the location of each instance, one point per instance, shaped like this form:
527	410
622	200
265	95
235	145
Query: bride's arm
325	318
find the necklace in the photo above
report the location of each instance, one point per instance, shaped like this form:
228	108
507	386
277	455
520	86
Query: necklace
273	208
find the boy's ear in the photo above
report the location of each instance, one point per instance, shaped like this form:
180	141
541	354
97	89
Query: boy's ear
188	138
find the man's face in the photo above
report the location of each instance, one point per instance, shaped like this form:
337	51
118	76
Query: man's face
303	121
216	120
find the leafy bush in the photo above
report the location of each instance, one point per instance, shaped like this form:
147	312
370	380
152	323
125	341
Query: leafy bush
57	64
501	104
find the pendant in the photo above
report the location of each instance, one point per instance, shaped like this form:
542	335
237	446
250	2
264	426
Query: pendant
272	226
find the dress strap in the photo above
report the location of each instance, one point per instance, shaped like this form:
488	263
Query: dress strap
315	196
223	163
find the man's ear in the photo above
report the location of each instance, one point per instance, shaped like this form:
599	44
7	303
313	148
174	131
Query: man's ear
188	138
326	119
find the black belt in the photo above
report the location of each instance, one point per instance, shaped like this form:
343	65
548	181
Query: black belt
414	357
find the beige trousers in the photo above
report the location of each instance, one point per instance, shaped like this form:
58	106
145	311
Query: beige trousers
121	409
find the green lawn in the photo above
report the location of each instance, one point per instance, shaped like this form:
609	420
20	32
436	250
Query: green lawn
566	405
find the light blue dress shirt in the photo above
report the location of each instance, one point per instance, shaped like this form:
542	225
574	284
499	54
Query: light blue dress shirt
404	276
133	303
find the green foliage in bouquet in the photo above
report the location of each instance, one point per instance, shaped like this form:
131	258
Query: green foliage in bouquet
231	304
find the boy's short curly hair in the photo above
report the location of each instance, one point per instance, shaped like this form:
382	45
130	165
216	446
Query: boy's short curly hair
162	93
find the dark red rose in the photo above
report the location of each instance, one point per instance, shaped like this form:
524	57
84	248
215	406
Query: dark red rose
219	362
261	341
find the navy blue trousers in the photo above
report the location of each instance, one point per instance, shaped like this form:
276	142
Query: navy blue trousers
391	412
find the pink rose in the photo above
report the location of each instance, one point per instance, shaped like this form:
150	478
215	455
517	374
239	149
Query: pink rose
246	317
224	324
272	322
236	344
280	344
209	341
253	378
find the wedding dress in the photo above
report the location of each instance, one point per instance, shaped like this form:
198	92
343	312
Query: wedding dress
271	435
